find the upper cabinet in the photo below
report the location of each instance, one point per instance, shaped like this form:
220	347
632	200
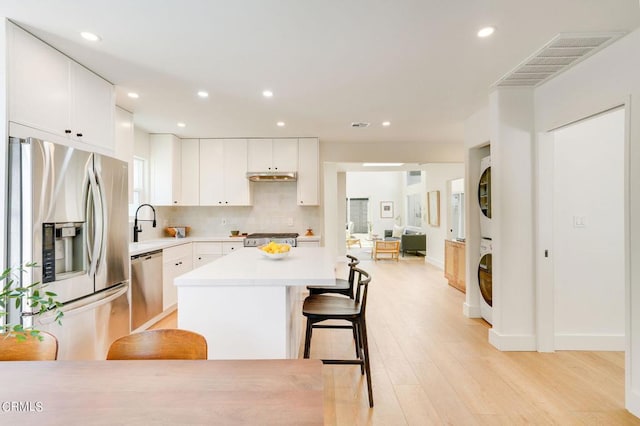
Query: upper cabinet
308	172
50	92
165	157
190	172
223	173
272	155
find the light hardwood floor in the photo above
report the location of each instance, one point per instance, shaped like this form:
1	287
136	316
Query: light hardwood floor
432	366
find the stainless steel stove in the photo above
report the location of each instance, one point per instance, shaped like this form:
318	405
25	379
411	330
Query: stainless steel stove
255	240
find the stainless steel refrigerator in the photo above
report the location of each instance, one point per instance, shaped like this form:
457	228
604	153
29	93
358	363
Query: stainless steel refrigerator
68	213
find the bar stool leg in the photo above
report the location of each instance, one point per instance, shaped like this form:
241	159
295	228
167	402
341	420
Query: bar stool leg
307	338
365	344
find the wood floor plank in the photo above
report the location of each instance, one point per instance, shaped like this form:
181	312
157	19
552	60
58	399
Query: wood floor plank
431	365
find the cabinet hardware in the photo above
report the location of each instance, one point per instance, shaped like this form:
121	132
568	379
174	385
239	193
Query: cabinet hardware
79	135
67	131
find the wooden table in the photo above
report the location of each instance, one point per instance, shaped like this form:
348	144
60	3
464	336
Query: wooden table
274	392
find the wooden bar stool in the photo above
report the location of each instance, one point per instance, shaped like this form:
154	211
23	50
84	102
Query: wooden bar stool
318	308
342	286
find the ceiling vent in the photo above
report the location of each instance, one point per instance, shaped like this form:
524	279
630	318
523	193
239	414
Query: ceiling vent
360	124
561	53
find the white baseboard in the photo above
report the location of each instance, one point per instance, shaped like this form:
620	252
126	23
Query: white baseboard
435	262
590	342
632	401
471	311
512	342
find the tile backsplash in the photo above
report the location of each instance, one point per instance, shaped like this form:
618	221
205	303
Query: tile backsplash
274	209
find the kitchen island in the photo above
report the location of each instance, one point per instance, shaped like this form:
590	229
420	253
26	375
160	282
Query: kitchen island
248	306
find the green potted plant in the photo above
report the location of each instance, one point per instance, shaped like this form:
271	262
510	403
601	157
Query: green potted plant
12	293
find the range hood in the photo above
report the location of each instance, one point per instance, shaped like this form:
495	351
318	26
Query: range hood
272	176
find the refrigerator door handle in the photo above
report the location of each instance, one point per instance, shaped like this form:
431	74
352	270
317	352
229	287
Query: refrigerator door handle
94	204
87	303
102	213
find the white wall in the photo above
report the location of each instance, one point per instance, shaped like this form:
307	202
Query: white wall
377	187
607	79
437	177
3	134
588	249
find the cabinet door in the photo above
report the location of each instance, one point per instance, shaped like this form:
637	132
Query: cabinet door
308	172
170	271
190	172
164	176
259	155
236	184
39	94
203	259
285	155
92	108
449	254
308	243
211	172
231	246
461	268
124	139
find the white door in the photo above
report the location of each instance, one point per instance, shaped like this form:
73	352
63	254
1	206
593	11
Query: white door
585	198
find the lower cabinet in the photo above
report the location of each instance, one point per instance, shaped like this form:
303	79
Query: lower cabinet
454	264
176	261
206	252
308	243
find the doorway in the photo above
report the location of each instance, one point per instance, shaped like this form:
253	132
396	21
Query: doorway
582	273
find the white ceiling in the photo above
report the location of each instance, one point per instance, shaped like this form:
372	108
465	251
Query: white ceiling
416	63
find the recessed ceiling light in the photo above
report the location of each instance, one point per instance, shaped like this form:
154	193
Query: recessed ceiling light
181	124
267	93
89	36
386	123
133	95
280	123
203	94
486	32
382	164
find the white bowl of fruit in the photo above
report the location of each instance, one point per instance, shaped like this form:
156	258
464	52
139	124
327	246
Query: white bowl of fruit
275	250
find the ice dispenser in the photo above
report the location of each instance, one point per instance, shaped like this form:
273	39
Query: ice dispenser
63	251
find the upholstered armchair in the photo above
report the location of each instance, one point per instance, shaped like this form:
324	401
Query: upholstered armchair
410	239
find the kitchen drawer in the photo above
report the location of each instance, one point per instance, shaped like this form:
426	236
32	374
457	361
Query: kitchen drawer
207	248
231	246
203	259
176	252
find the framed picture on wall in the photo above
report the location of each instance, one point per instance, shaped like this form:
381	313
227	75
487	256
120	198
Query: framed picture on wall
386	209
433	206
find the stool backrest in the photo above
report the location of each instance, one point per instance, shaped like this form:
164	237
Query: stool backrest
159	344
363	279
31	349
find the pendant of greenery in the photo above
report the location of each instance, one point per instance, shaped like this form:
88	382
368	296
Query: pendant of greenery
32	295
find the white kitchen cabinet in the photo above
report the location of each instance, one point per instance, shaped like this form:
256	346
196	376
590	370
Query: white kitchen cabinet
92	108
206	252
190	172
308	243
50	92
271	155
308	172
124	141
176	261
223	173
231	246
164	170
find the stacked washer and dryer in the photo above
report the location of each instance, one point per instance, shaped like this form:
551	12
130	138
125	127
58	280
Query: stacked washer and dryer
486	249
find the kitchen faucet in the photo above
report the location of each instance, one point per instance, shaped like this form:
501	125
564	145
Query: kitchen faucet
137	228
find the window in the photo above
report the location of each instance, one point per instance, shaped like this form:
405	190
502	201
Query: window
139	193
413	177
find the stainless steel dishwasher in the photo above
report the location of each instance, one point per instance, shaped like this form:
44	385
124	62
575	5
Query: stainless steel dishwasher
146	287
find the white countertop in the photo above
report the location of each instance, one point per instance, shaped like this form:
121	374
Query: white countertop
163	243
248	267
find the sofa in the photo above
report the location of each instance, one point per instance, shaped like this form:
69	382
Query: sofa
411	239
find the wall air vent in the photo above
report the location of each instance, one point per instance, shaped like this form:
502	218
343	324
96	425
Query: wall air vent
558	55
360	124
